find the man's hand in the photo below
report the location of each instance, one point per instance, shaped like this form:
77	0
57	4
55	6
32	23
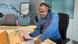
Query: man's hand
38	41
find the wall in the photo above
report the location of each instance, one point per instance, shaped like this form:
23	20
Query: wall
34	4
15	3
75	22
73	25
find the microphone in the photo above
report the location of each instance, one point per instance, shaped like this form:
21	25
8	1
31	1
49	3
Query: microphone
36	18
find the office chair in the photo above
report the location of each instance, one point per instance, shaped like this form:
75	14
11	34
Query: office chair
63	25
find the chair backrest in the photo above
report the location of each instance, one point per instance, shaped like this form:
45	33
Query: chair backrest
63	24
10	19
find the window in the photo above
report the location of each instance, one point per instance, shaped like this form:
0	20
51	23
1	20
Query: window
64	6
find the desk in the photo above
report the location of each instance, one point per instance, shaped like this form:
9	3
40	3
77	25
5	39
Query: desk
13	36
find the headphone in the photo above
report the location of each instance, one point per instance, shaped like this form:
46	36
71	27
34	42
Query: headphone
47	5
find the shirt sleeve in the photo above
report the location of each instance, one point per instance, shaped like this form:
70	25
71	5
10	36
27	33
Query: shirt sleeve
50	29
36	32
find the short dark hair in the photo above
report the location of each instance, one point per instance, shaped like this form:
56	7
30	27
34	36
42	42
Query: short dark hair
44	4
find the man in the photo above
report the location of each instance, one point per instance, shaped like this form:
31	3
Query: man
47	25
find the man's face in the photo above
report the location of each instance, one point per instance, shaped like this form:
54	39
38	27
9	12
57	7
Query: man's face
43	11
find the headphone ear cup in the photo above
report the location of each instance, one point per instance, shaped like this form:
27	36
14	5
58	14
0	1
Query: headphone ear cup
49	10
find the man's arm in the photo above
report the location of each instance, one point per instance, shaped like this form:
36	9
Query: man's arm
37	31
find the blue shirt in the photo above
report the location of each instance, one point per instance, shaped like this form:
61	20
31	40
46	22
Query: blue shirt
48	28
